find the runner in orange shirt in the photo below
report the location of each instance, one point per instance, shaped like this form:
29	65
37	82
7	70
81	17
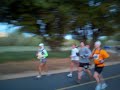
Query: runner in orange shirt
99	55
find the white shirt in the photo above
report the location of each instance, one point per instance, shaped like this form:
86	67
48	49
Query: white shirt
74	55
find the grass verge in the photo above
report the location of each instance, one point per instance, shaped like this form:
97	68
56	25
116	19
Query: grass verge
28	55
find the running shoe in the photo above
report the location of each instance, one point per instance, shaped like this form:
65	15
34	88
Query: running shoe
70	75
104	85
38	76
98	87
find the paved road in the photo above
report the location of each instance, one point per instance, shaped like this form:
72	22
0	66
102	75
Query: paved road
61	82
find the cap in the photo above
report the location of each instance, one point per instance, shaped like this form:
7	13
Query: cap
97	43
41	44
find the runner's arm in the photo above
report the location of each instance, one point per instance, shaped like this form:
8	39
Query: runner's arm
88	52
105	56
45	54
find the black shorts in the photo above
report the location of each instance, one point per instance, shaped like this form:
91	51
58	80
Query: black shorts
84	65
98	69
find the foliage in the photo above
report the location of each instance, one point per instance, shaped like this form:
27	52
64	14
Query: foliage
61	17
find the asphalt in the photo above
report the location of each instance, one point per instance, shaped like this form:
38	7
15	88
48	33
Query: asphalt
62	82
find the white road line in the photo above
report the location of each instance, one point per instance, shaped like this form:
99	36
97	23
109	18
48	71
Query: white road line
69	87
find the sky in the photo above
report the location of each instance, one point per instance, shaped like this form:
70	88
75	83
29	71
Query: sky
7	28
68	37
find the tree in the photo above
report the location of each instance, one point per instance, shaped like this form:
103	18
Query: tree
61	17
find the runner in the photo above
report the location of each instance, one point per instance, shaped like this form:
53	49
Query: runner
84	61
88	46
99	55
74	59
41	55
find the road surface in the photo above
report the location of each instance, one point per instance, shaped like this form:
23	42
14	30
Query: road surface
62	82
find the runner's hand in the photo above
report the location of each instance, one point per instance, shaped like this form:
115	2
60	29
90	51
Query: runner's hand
91	57
90	63
82	56
101	61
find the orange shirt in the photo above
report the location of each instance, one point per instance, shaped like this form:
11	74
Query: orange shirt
99	55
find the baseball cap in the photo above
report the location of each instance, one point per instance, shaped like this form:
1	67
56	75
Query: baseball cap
41	44
97	43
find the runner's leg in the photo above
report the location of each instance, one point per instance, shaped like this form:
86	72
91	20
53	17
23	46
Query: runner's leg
96	76
103	83
41	68
80	73
71	66
45	68
71	69
89	73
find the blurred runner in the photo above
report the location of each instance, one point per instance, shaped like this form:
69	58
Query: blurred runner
84	54
99	55
74	59
88	46
42	55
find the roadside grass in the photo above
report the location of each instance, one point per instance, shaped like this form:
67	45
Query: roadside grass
29	55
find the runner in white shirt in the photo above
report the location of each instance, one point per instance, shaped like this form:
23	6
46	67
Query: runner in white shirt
74	59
